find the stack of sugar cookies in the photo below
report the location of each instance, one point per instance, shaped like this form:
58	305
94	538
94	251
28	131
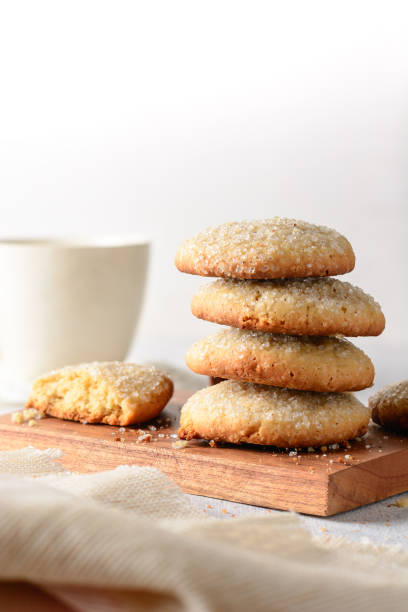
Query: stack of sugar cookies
289	371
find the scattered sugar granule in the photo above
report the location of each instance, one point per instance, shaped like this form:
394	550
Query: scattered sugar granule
160	435
31	423
212	443
348	457
173	436
122	430
151	428
84	422
180	444
310	449
292	453
368	445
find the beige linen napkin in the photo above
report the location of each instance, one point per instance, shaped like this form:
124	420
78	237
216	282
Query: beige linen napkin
129	539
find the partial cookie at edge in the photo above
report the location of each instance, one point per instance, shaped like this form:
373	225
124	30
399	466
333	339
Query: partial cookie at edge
390	406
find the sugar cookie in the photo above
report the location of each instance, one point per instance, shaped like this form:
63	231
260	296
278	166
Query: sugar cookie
310	306
313	363
238	412
390	406
272	248
113	392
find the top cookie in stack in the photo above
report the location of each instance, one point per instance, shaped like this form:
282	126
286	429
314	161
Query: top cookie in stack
270	288
273	248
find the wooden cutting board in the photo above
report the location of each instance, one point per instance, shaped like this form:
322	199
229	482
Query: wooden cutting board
310	483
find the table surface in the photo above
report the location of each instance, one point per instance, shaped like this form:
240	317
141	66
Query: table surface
383	523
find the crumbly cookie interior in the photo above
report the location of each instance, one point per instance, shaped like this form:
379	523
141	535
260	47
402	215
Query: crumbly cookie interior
77	390
107	392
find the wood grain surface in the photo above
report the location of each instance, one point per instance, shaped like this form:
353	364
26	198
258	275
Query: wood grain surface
370	470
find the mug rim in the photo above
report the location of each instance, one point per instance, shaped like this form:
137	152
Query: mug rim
102	241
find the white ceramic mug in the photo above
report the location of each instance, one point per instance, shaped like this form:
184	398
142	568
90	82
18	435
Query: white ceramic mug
66	301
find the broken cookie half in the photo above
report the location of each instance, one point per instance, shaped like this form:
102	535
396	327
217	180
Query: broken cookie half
113	392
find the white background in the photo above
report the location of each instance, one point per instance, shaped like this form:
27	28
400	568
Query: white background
166	117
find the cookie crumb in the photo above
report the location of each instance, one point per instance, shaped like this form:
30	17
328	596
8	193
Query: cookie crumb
25	416
146	437
402	502
17	418
29	413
